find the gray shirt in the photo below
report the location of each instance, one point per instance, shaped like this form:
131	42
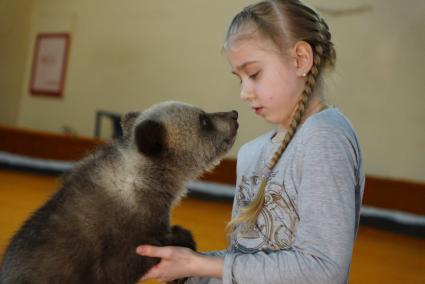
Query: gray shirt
306	230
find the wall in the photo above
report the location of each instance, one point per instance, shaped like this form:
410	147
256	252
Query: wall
378	84
130	55
14	40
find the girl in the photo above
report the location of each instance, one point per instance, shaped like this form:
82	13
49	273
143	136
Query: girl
299	187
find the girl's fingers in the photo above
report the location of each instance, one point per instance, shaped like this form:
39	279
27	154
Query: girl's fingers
153	251
149	275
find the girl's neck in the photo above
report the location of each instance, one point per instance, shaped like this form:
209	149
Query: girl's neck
315	105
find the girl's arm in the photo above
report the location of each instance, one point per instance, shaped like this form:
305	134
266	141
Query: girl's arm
179	262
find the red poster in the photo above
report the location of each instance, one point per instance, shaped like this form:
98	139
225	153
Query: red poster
49	64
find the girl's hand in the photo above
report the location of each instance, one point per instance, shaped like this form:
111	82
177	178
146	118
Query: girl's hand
176	262
180	262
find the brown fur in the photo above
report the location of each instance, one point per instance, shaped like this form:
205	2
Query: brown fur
119	197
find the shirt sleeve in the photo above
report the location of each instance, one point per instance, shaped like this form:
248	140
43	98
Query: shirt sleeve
216	252
324	237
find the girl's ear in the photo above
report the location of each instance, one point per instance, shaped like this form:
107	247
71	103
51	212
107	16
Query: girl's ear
303	54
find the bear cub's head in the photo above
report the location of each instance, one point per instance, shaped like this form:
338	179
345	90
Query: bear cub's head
181	135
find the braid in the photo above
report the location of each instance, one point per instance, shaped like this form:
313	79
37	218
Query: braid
323	56
250	213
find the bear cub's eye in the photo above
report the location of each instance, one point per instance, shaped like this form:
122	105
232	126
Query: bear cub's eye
205	121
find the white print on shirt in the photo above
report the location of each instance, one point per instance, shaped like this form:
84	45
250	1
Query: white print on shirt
275	227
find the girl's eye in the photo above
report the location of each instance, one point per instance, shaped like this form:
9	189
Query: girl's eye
253	76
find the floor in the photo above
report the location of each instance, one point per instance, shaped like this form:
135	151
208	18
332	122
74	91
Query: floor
379	256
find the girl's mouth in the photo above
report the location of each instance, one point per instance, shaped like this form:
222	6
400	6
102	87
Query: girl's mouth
257	110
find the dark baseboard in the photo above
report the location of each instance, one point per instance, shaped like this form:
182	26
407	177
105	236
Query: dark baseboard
45	145
394	194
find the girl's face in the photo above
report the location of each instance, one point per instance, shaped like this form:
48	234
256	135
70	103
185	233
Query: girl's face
269	80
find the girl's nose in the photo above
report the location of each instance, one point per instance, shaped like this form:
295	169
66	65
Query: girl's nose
247	93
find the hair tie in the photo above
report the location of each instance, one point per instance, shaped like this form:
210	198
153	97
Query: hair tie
267	172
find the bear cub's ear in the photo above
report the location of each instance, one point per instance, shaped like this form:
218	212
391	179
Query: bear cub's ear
127	122
150	138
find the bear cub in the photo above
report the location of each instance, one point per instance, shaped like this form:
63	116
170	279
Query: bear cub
118	197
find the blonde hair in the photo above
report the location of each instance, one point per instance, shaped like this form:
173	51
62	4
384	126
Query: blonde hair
285	22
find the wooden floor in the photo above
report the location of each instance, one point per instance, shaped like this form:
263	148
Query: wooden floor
379	256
